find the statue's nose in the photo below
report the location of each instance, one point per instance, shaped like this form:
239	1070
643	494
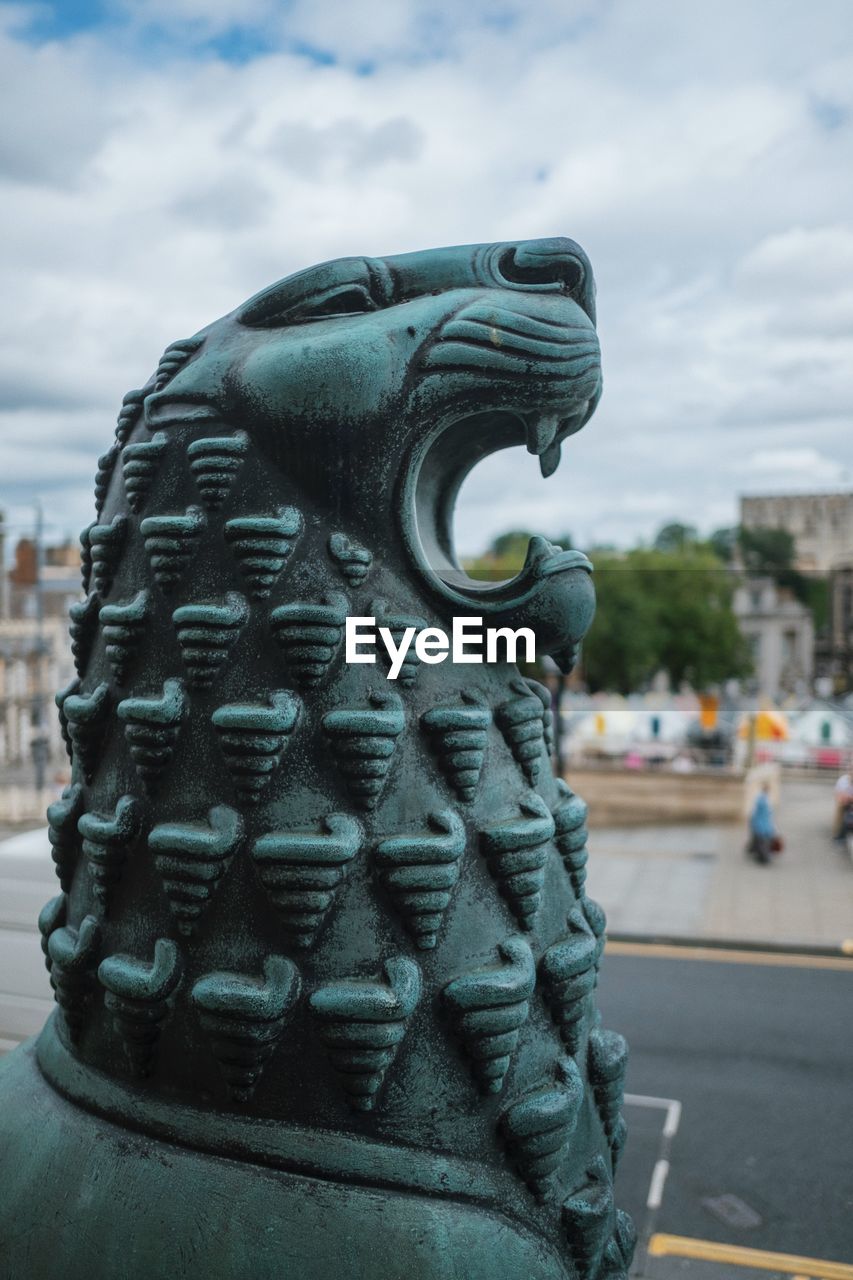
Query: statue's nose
555	261
550	265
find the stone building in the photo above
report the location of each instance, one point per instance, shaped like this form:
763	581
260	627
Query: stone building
821	525
780	633
4	580
841	626
32	667
58	579
35	656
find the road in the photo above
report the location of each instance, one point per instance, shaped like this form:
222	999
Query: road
760	1057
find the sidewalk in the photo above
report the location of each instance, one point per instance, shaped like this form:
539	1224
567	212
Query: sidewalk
695	881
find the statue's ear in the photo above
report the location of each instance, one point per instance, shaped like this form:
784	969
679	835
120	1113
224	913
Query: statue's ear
339	288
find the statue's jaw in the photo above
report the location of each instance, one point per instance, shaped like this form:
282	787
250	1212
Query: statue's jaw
552	593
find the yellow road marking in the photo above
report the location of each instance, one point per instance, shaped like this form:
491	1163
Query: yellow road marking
663	1246
725	955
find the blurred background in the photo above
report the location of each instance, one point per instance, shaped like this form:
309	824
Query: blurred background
161	160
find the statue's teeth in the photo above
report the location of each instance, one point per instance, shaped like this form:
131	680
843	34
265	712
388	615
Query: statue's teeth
86	721
541	433
83	625
571	835
549	459
105	545
587	1216
607	1059
353	559
569	975
397	625
458	736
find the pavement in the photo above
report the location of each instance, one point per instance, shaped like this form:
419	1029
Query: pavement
696	882
738	1106
27	881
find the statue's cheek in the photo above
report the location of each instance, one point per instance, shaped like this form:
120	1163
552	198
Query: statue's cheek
334	376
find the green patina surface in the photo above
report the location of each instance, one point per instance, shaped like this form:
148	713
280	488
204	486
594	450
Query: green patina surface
323	957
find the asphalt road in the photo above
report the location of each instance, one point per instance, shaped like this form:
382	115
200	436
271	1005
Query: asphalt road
761	1060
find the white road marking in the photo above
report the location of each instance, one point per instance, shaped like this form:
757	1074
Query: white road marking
671	1106
672	1118
657	1184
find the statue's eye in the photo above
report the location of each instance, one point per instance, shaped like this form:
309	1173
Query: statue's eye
347	301
278	307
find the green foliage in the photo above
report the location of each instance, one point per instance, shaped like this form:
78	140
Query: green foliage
669	607
663	610
814	592
676	537
770	553
506	555
512	545
723	542
766	551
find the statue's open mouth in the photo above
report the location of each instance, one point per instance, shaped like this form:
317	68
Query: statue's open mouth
433	485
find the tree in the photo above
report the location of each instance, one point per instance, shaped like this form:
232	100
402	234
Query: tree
663	610
770	553
620	651
512	545
723	542
766	551
506	555
676	537
658	609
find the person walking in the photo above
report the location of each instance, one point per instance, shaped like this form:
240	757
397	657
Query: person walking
761	826
843	795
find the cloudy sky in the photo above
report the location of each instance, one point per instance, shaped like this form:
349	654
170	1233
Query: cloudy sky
161	160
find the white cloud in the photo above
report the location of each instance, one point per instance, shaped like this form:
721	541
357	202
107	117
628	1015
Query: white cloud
702	158
798	469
